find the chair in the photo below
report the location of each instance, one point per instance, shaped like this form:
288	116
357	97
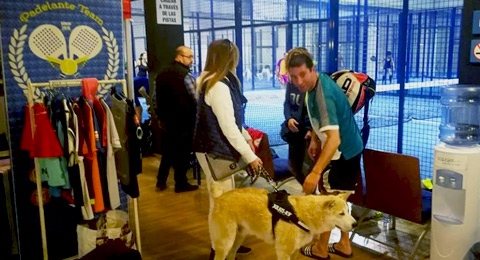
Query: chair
393	187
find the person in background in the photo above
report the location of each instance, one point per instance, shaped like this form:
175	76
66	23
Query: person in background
296	129
219	130
140	80
281	71
388	68
142	65
336	144
176	110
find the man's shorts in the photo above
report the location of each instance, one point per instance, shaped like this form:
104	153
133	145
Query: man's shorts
341	175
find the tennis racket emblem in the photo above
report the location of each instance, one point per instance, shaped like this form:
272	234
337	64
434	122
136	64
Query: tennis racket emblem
48	42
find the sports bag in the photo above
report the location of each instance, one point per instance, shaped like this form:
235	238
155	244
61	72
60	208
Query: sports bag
358	87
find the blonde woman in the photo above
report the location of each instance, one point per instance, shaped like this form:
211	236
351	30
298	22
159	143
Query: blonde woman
219	129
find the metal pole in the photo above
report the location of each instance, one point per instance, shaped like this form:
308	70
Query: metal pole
386	45
134	57
304	34
431	44
289	32
333	7
401	72
130	94
199	44
212	20
137	225
38	170
433	27
274	54
409	47
376	45
419	41
424	46
349	44
451	42
297	15
365	37
319	40
253	47
238	37
357	36
128	47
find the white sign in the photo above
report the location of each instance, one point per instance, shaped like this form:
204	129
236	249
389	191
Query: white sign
169	11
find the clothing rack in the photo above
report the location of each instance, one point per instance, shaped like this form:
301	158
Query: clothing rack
59	84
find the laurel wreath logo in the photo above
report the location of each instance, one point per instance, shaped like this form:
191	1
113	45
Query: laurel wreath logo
17	66
113	60
15	60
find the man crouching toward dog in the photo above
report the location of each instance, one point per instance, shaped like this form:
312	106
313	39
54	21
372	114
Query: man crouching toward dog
336	143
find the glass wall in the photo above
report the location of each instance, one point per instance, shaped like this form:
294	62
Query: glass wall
369	41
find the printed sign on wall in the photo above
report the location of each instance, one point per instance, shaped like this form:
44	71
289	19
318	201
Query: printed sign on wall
169	11
476	22
475	51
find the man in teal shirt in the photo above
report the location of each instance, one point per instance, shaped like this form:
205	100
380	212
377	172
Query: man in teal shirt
336	143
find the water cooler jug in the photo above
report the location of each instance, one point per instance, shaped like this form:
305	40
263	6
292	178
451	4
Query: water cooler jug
456	177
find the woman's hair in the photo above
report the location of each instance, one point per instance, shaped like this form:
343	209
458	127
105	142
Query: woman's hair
222	57
297	57
142	54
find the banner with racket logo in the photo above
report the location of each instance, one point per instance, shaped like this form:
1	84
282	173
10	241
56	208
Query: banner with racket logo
52	40
49	40
44	40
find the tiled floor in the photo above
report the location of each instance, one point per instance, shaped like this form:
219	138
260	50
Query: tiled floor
374	234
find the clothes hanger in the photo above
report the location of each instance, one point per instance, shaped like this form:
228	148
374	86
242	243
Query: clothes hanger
117	94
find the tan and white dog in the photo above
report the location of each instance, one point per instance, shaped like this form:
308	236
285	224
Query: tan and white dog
243	212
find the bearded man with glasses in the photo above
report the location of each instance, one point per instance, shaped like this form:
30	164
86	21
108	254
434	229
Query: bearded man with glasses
176	110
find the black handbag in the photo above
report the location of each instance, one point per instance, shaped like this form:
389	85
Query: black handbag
221	168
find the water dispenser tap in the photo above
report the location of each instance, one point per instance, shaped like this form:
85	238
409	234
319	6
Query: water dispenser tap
453	182
441	179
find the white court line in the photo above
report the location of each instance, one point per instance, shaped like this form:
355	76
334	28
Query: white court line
413	85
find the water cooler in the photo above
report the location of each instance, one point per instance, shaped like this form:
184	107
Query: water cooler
456	177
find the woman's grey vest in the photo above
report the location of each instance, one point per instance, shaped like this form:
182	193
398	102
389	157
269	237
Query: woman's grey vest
209	137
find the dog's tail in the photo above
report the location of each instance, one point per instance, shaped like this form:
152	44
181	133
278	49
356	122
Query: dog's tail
215	190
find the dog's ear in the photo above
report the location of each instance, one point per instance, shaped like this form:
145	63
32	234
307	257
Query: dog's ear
343	195
329	204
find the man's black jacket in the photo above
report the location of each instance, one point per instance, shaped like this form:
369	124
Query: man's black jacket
176	108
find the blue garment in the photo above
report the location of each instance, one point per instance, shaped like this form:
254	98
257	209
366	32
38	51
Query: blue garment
328	109
139	82
388	63
142	71
209	137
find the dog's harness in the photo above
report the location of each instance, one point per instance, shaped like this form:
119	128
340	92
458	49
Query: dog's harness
281	208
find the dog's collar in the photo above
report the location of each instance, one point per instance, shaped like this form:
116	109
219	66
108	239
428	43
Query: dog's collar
281	208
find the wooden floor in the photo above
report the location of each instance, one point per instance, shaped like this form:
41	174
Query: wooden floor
174	226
